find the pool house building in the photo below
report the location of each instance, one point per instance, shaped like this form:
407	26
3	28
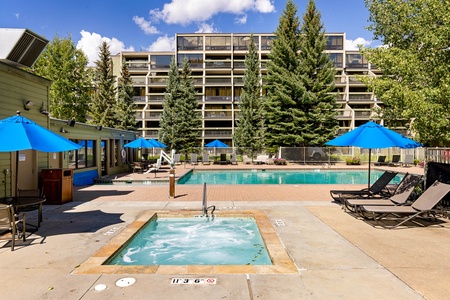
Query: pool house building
217	63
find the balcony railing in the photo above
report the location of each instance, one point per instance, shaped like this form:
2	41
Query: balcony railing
157	81
218	98
217	115
217	65
362	97
239	65
137	66
362	113
153	115
218	133
354	80
357	66
139	99
218	47
223	80
155	98
138	80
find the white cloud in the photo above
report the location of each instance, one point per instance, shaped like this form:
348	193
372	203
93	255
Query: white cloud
17	15
353	44
206	28
146	26
90	43
185	12
163	43
241	19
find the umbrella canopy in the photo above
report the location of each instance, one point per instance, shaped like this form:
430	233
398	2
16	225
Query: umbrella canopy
217	144
19	133
373	136
157	144
139	143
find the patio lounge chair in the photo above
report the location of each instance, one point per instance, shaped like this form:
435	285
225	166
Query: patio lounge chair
155	168
422	208
395	160
138	167
400	196
9	222
261	159
246	160
193	159
223	159
378	188
381	161
205	159
409	159
233	159
177	158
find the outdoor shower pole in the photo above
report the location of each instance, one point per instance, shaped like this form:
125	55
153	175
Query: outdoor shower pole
172	183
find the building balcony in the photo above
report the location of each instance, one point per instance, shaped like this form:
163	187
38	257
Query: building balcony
151	133
138	80
139	99
132	66
360	97
344	114
217	65
214	115
362	114
153	115
218	48
218	133
218	98
154	81
218	80
357	66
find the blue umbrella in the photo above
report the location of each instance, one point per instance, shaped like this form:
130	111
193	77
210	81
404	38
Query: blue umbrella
373	136
19	133
217	144
157	144
139	143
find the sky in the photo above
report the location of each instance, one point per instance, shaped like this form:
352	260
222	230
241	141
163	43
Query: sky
151	25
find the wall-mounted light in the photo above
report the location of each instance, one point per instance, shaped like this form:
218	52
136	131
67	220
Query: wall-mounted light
99	127
43	111
71	123
63	130
27	104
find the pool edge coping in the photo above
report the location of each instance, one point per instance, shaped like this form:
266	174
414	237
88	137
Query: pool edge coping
282	262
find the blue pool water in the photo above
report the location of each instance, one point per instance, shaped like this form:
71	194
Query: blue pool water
195	241
282	177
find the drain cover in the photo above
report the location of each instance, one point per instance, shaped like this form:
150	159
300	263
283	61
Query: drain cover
279	222
100	287
125	282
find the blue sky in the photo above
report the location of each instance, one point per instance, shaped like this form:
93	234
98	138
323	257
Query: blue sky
137	25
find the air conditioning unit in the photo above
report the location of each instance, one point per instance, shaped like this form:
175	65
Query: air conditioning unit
20	47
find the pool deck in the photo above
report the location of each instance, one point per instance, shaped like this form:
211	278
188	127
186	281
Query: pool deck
336	256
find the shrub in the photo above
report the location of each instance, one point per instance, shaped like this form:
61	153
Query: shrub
353	161
279	161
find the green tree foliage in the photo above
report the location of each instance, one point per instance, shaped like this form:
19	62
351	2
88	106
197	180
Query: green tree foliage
250	125
415	63
125	113
167	132
65	66
180	122
317	76
104	104
187	119
285	116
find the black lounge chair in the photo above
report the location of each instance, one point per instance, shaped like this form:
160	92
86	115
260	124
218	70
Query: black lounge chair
223	159
378	188
422	208
395	160
400	197
381	161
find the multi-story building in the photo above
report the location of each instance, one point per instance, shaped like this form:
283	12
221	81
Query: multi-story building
217	63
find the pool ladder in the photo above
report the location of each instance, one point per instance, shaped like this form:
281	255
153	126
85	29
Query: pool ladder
205	206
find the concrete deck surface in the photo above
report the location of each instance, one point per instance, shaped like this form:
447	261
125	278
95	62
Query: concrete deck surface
337	255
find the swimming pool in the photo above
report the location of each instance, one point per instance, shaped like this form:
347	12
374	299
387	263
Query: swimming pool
195	241
282	177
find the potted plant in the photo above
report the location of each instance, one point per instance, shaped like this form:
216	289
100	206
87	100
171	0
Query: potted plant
353	161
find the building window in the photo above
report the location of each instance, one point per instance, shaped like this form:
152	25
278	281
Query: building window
218	43
336	58
83	157
190	43
356	61
242	42
195	60
335	43
160	61
266	42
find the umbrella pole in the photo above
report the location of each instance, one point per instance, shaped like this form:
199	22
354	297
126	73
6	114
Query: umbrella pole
17	173
368	181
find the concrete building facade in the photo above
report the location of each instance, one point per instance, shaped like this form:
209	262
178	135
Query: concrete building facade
217	63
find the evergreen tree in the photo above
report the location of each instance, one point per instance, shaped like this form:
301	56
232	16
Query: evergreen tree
250	125
125	114
65	66
285	116
104	104
187	120
317	76
415	64
167	132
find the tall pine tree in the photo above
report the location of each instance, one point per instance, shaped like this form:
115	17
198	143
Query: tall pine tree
285	116
249	132
318	74
65	66
104	104
125	113
187	119
166	132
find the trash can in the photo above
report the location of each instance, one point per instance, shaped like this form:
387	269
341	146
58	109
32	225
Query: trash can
57	185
